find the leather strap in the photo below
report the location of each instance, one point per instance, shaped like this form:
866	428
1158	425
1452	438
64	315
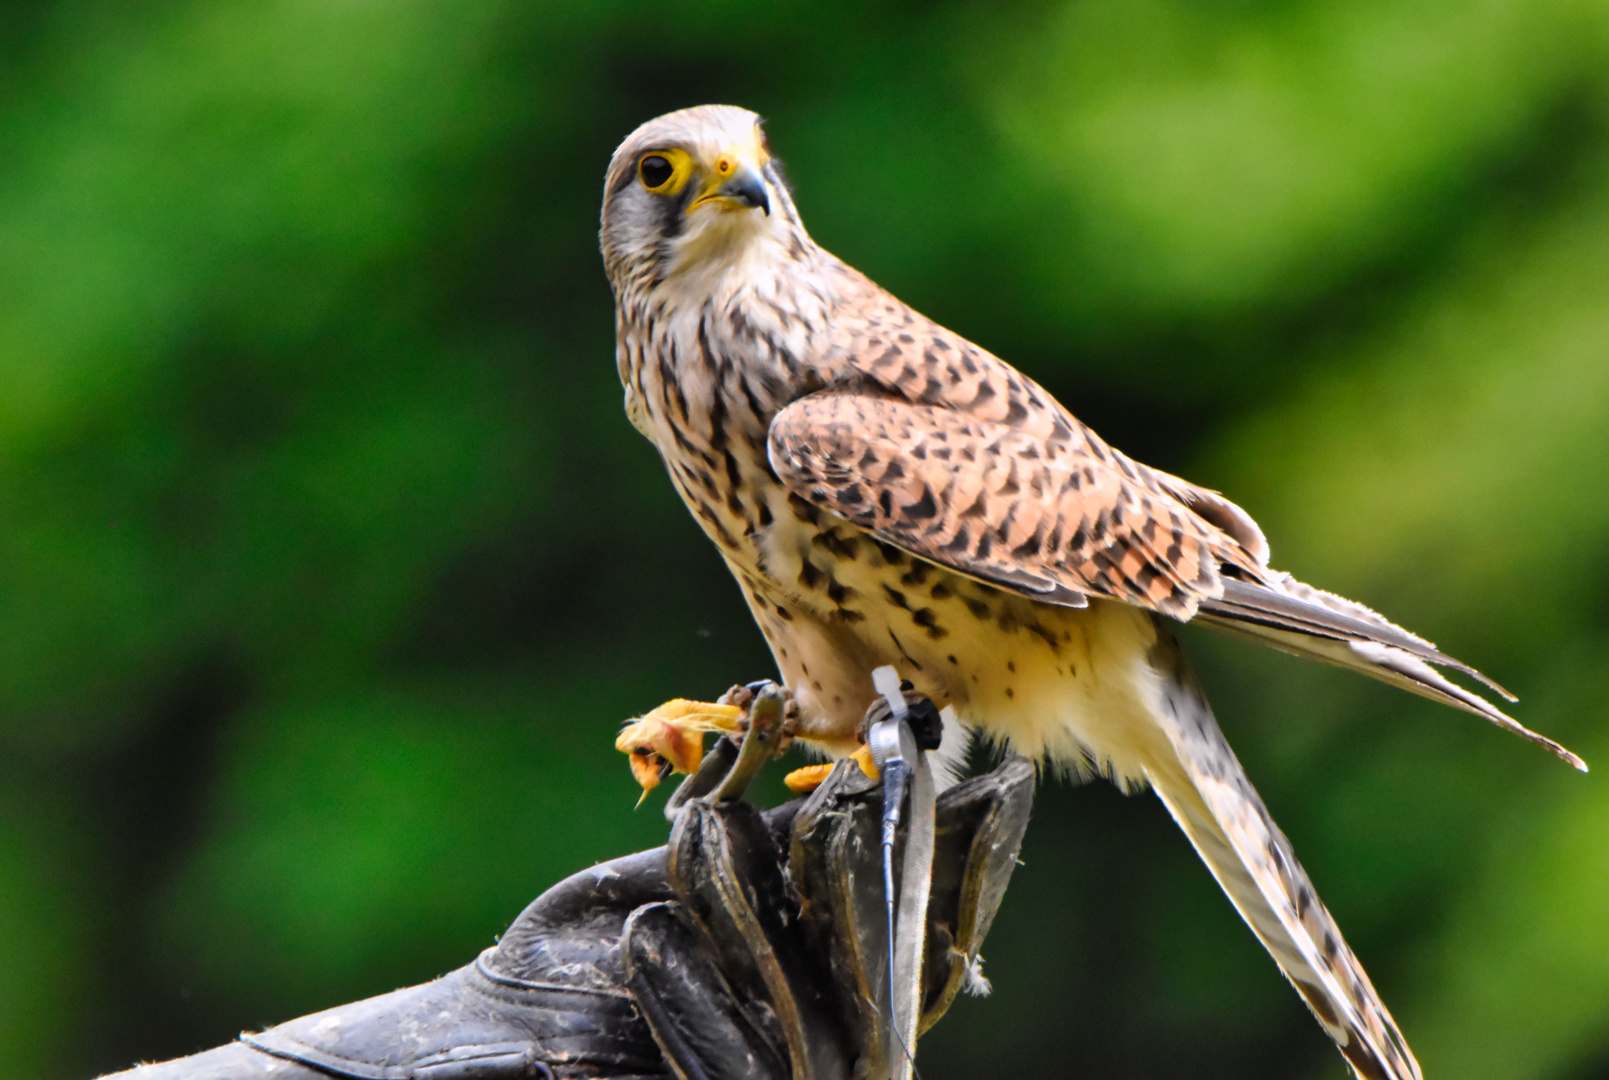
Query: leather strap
905	767
916	879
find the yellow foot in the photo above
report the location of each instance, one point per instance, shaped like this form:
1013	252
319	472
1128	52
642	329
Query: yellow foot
671	738
809	778
805	780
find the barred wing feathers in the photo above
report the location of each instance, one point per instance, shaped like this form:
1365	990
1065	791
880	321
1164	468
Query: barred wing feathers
1046	518
1045	509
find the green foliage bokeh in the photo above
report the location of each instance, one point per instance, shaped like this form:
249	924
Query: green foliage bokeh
328	561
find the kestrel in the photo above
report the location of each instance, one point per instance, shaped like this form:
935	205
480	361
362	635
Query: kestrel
887	492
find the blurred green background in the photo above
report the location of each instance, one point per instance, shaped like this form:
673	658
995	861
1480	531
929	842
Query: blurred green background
328	563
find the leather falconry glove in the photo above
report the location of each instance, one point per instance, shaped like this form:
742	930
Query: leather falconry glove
753	945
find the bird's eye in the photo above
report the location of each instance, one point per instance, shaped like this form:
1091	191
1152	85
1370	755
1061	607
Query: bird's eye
655	171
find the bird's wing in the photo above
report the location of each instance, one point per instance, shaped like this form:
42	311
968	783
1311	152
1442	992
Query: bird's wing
1208	794
1047	518
1044	509
1209	504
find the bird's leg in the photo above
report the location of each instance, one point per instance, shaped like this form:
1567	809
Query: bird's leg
927	725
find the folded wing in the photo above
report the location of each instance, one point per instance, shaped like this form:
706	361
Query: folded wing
1063	517
1057	520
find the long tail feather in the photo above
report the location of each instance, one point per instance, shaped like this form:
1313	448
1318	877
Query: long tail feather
1309	622
1208	794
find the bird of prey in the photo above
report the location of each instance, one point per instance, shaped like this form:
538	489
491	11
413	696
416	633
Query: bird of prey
887	492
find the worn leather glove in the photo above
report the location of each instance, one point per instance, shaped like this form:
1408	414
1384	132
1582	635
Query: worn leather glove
753	945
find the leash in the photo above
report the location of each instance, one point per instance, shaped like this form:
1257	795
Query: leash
904	770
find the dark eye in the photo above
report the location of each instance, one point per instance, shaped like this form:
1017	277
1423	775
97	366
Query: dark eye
655	171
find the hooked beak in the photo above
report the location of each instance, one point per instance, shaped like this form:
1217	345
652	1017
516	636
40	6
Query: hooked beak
736	186
747	189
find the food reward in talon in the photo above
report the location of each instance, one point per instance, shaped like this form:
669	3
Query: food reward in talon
670	738
888	493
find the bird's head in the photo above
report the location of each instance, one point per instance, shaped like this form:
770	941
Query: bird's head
693	190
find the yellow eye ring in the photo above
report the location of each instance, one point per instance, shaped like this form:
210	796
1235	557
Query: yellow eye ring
665	172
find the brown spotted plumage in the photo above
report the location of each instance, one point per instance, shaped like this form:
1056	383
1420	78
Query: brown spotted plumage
886	492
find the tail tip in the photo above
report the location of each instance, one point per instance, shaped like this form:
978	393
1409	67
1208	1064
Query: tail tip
1568	757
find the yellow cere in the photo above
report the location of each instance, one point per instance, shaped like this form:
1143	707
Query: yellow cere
731	162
